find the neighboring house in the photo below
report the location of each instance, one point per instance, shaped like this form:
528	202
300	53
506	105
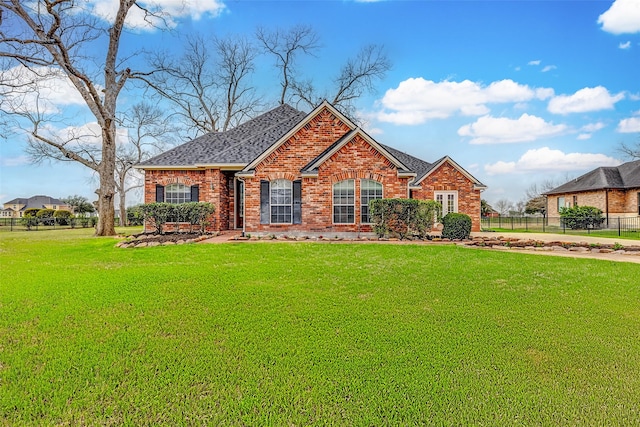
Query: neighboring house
16	207
614	190
287	172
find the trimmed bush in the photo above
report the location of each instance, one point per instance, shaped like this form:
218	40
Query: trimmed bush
45	216
135	215
29	218
194	213
456	226
581	217
62	217
402	217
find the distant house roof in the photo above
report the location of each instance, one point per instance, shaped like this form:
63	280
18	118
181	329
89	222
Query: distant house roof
35	202
238	146
625	176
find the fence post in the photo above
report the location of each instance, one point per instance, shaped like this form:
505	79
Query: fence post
619	227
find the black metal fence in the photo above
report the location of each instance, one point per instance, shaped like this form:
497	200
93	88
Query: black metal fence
619	226
36	224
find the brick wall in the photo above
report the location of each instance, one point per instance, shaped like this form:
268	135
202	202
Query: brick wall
621	202
356	160
449	178
213	188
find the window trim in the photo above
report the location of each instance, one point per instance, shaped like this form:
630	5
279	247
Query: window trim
334	204
445	195
564	203
272	205
362	205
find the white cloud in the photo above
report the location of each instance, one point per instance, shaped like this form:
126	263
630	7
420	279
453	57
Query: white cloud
43	89
625	45
622	17
547	160
88	135
535	62
589	129
501	130
165	13
14	161
548	68
417	100
630	125
587	99
593	127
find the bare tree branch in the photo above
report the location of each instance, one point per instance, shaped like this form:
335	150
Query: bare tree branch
149	134
630	151
209	87
284	46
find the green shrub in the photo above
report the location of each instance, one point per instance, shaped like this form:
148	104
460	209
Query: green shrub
29	218
581	217
45	216
135	215
402	217
32	212
456	226
62	217
194	213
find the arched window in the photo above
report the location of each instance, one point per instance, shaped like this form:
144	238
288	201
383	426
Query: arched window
281	201
344	202
177	193
369	190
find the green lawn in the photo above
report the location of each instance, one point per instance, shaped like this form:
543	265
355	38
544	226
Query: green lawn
310	333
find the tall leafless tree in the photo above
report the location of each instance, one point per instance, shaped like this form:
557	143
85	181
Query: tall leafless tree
503	206
208	86
56	38
536	202
285	46
630	151
149	132
357	77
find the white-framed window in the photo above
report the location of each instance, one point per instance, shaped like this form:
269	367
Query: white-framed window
281	198
369	190
561	203
177	193
448	201
344	202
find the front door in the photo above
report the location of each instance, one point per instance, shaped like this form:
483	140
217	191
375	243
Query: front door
239	199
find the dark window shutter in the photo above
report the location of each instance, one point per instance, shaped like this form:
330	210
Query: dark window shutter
159	193
195	193
297	202
264	203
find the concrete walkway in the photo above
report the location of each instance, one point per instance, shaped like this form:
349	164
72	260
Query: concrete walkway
550	237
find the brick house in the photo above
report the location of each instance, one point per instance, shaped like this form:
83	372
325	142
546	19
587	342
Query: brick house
287	172
613	190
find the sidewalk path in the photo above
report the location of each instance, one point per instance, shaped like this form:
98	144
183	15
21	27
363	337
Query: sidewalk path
551	237
569	238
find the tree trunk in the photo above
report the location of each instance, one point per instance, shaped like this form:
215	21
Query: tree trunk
122	193
106	192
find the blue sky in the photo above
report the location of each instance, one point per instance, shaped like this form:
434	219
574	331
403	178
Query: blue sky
516	92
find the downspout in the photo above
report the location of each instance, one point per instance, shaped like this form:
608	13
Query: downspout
606	204
244	204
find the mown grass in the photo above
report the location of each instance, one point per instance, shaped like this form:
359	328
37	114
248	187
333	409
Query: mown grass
312	334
